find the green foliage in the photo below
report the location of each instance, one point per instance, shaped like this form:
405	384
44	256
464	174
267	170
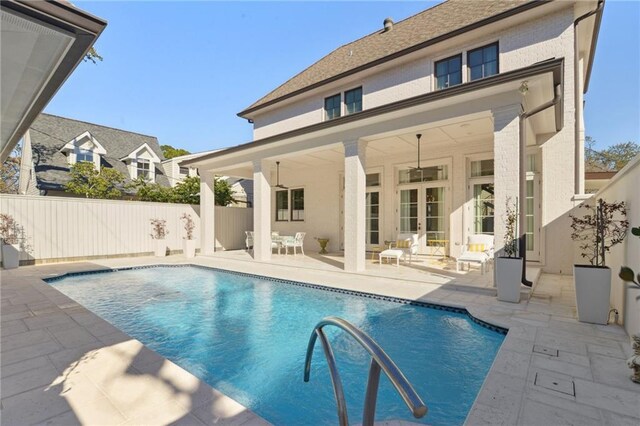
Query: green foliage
511	224
146	191
10	172
92	55
170	152
626	273
602	227
187	191
612	158
87	181
223	193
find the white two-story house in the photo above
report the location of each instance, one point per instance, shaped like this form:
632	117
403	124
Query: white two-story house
426	126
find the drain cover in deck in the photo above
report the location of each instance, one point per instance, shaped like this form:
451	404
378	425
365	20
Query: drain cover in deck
539	349
555	384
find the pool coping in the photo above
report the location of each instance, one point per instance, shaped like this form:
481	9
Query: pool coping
509	394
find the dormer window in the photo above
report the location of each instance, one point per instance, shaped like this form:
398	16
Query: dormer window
83	155
144	168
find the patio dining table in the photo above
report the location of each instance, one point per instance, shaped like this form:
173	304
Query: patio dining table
281	241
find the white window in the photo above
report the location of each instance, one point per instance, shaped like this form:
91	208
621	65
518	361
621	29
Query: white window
144	170
290	205
184	171
84	155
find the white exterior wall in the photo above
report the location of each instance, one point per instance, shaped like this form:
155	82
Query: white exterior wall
323	205
61	228
540	39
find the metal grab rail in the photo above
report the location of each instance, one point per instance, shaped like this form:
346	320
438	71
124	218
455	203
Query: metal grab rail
379	361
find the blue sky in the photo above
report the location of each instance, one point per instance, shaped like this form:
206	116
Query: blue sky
181	71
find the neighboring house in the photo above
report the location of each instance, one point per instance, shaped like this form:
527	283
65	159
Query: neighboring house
41	43
491	92
595	178
53	144
176	172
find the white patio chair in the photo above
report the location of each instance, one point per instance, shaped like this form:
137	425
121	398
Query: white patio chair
297	241
248	240
408	243
479	249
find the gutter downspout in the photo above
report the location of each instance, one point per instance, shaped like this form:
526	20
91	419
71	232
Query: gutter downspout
522	200
581	88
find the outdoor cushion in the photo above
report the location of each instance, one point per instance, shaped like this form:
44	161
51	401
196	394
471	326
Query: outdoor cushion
403	244
476	247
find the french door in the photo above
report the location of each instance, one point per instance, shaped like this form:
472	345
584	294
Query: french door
423	211
372	206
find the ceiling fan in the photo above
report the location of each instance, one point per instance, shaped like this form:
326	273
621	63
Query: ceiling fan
421	169
278	184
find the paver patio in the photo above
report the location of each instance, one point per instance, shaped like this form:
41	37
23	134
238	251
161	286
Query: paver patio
61	364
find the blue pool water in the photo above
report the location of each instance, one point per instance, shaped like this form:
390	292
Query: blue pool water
247	337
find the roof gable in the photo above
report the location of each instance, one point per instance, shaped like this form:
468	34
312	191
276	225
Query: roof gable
136	153
79	141
424	28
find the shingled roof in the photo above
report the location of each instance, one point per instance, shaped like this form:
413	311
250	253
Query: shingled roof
49	133
417	31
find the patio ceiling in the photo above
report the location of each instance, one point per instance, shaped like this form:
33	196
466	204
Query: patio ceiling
42	43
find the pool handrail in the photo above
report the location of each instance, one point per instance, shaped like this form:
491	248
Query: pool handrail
380	361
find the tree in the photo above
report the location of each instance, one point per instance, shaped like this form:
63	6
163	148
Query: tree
146	191
612	158
187	191
223	193
87	181
170	152
10	172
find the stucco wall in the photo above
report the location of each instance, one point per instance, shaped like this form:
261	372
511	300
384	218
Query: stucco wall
544	38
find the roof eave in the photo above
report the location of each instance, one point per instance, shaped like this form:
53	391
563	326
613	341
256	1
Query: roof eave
555	66
516	10
86	28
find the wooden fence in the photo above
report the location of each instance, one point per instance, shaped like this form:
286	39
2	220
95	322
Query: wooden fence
59	228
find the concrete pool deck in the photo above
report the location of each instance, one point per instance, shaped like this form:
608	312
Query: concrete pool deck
61	364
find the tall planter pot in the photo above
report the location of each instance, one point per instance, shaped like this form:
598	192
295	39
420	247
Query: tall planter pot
508	278
189	248
161	248
593	291
10	256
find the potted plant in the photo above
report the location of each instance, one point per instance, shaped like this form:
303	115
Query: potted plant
159	233
188	244
602	227
509	267
9	234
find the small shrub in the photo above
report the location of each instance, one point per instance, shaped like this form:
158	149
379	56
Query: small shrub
511	228
9	229
189	225
602	227
159	229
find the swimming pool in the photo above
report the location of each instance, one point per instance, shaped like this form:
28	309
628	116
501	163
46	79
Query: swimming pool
247	336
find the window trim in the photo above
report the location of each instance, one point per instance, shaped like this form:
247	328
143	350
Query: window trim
448	58
344	101
324	106
85	152
150	175
468	53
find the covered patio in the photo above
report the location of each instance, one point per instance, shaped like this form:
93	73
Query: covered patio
440	165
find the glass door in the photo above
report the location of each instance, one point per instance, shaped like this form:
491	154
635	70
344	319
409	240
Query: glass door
373	219
435	240
483	208
409	211
533	215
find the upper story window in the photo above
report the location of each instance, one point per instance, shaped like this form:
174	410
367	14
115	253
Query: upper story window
483	62
449	72
144	169
332	107
184	170
84	155
353	100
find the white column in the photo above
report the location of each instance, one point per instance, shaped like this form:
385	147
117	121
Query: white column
261	210
506	151
207	213
354	205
